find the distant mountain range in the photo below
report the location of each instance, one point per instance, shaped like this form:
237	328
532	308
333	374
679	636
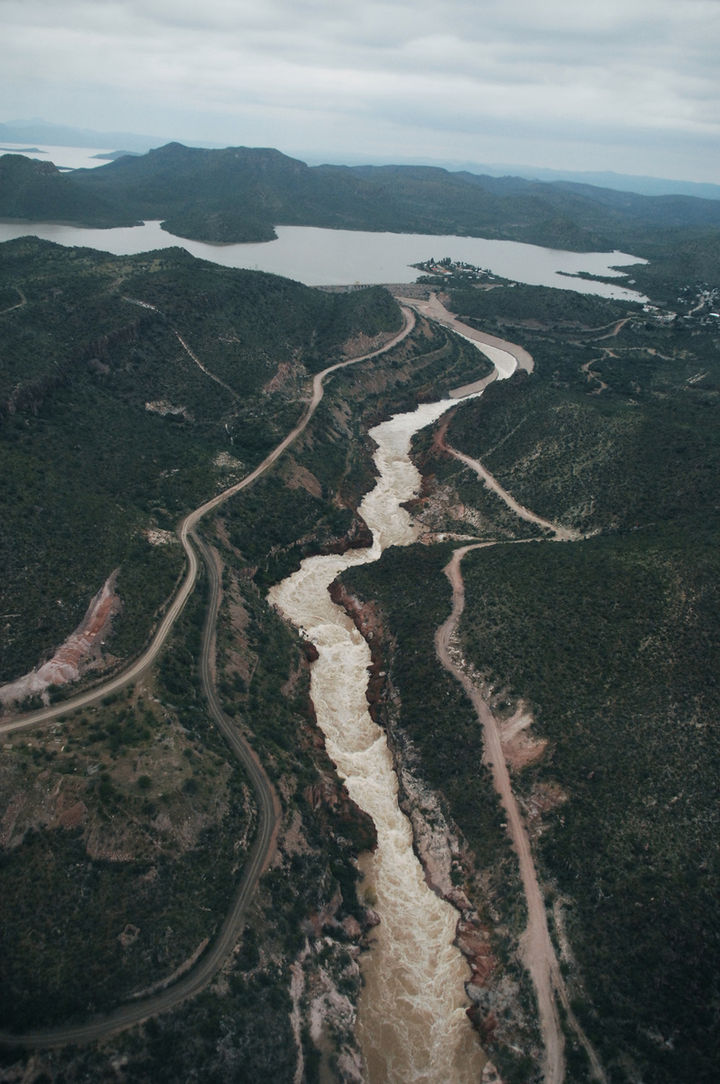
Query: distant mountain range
240	194
36	130
621	182
30	132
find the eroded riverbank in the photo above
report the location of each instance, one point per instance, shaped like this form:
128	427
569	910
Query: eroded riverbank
412	1022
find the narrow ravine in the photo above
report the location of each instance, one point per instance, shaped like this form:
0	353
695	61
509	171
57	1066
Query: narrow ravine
412	1025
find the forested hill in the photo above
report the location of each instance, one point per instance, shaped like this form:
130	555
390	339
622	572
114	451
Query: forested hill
110	425
241	194
37	190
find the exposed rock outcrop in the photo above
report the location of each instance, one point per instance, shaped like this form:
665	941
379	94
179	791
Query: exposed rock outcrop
82	649
354	823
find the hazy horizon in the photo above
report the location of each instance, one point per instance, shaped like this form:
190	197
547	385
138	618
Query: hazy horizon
631	88
84	156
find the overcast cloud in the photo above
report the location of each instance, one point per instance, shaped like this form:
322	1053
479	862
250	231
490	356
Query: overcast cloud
627	85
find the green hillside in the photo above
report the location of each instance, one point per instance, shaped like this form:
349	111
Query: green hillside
131	389
37	190
108	427
241	194
612	642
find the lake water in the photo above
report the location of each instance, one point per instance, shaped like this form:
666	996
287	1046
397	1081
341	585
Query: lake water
321	257
62	157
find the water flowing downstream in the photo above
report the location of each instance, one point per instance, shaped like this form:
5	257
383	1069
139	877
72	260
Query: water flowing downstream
412	1025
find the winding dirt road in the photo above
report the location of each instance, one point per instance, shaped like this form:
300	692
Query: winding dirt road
536	947
560	534
17	305
187	526
222	945
268	806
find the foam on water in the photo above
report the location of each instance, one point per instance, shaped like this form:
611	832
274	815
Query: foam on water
412	1025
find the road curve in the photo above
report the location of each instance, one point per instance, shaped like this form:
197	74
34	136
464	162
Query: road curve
559	533
268	806
141	664
222	945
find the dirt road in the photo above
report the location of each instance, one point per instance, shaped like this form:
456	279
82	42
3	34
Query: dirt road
220	948
560	533
536	947
18	305
148	657
268	806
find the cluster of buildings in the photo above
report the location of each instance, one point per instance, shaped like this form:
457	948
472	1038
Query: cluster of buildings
456	269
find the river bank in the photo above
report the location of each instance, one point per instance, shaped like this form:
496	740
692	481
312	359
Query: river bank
412	1021
495	1003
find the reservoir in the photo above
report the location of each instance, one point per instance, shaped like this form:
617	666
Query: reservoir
321	257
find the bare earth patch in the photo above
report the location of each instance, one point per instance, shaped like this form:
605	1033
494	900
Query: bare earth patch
81	650
519	746
158	537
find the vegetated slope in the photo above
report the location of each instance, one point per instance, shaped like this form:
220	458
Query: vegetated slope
123	831
241	193
37	190
124	827
108	426
612	642
309	501
615	644
153	801
618	431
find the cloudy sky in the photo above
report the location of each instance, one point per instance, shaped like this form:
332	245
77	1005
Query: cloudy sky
627	85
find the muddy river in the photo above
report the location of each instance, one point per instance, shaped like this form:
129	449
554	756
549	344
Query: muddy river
412	1025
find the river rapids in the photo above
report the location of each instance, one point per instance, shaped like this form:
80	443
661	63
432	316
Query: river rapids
412	1025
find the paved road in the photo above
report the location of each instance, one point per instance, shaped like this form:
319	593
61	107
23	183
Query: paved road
148	657
268	806
221	947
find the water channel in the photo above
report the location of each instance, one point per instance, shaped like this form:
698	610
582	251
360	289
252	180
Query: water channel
412	1025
